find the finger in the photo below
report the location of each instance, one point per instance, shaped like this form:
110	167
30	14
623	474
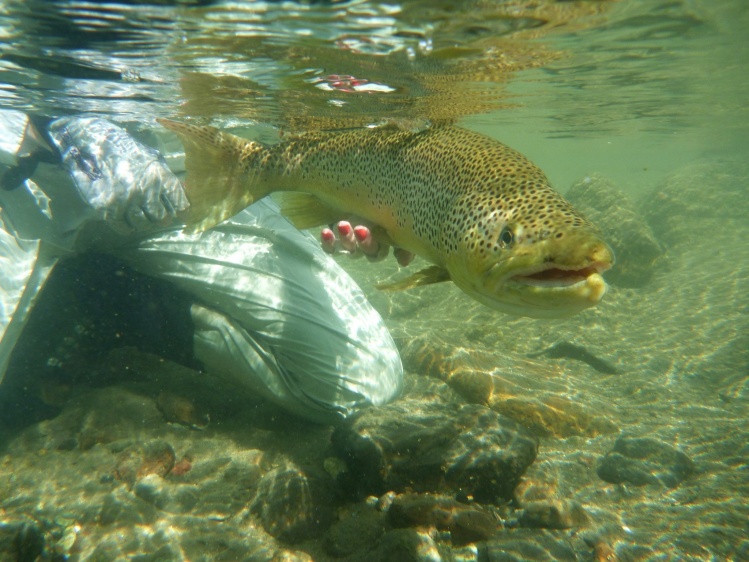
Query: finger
346	236
368	245
327	238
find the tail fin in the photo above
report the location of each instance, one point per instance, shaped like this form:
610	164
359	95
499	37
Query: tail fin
219	173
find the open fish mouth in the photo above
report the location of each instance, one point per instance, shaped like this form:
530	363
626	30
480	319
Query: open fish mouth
557	276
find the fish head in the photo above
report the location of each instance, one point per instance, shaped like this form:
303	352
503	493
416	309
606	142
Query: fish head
527	252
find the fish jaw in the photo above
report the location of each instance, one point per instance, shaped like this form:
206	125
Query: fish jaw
547	279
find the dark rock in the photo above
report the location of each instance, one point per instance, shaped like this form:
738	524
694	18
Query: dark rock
406	545
434	447
291	505
645	460
568	350
29	542
357	530
93	417
183	410
553	514
624	227
466	523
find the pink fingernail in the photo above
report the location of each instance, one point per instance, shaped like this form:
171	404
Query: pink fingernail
344	228
327	235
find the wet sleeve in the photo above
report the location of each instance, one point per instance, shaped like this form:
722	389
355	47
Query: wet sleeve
276	314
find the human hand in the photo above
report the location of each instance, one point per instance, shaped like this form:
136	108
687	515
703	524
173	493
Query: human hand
359	241
119	180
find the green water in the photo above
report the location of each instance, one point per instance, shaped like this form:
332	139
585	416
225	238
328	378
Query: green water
649	94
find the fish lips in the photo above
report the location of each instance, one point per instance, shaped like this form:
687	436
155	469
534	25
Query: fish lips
547	290
553	275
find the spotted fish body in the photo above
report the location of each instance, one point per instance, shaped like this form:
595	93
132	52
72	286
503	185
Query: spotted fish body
481	212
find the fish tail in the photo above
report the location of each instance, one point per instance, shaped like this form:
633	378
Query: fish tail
219	181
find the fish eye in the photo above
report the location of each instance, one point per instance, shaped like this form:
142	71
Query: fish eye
506	237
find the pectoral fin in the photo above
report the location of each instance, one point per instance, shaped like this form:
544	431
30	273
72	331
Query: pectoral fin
305	210
428	276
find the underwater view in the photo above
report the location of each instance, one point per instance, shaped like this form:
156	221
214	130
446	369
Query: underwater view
374	281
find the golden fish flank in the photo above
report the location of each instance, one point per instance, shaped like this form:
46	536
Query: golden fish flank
481	212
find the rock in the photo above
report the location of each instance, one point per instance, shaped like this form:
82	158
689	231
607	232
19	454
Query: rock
358	528
555	416
182	410
166	496
645	460
291	505
553	514
406	545
696	198
28	542
511	390
429	446
467	523
528	545
93	417
135	462
567	350
624	227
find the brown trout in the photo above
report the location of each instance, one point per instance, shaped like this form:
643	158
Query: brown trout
481	212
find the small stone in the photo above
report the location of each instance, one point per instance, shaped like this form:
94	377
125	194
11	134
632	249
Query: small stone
182	410
291	505
135	462
553	514
181	467
645	460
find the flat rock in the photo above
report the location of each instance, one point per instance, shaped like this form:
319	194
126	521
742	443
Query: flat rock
645	460
428	446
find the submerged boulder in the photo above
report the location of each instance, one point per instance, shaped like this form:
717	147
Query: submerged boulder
645	460
626	230
427	446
